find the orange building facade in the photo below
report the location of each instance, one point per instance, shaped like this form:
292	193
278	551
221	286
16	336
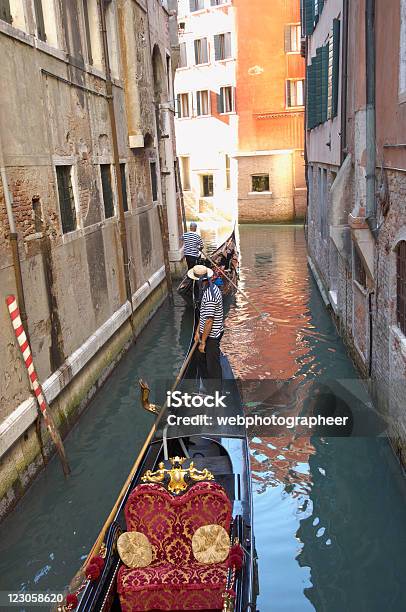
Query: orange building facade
270	105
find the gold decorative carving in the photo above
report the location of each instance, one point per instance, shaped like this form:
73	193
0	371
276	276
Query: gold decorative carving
177	475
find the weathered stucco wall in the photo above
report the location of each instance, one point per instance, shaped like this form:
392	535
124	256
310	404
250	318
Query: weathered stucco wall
55	113
357	267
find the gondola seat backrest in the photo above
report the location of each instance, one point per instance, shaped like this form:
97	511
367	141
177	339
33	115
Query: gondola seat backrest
169	521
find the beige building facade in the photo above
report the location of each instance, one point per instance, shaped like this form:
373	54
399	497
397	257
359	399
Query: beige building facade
83	184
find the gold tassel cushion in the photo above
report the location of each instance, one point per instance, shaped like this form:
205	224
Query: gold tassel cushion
211	544
134	549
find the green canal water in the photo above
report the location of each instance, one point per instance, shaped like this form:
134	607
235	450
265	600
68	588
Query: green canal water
330	513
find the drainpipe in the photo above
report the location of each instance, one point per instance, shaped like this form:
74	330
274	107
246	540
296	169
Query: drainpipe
344	83
370	117
110	101
13	243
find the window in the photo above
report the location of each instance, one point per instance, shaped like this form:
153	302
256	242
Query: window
228	175
183	56
292	38
124	187
105	173
5	13
154	181
66	198
201	51
207	185
322	188
225	100
185	166
87	31
294	93
222	46
333	70
260	182
401	285
39	20
217	2
183	105
359	269
196	5
169	81
202	100
311	11
37	211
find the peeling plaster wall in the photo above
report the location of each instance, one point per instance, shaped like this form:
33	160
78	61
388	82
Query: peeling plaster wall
54	111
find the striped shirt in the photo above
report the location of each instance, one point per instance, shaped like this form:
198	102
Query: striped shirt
193	243
212	307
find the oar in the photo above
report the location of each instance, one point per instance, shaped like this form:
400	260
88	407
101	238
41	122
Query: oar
185	365
96	546
263	315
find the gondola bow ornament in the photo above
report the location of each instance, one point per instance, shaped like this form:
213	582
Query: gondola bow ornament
177	475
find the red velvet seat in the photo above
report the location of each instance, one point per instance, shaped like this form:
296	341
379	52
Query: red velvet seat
174	580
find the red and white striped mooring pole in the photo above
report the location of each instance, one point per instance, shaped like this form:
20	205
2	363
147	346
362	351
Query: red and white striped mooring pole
39	394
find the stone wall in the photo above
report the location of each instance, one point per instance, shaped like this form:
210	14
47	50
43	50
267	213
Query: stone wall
389	343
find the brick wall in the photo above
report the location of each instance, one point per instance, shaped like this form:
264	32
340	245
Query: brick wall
389	344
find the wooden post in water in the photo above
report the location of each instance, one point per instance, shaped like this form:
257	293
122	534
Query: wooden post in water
32	375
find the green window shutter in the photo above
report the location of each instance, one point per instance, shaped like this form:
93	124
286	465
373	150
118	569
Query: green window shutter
313	94
308	95
196	43
178	107
316	10
318	81
324	83
199	109
309	16
336	65
330	79
311	98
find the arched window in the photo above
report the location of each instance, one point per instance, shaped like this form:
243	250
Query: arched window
401	285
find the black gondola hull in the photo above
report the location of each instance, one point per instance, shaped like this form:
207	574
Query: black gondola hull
225	452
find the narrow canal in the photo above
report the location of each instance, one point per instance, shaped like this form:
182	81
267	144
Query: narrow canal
329	513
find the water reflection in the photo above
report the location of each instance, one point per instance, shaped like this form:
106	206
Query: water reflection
320	506
329	513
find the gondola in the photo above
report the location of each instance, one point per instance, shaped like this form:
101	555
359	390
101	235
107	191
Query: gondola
189	490
226	259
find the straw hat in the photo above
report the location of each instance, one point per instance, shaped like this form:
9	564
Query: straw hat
200	273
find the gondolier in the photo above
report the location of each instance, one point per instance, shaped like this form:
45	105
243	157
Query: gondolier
193	244
224	261
210	328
